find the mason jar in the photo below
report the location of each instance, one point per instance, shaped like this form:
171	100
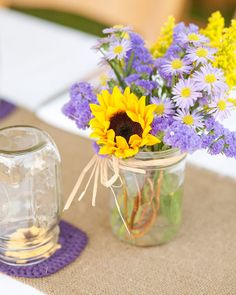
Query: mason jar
30	195
149	199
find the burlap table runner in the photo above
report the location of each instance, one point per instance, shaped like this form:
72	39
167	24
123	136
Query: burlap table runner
201	260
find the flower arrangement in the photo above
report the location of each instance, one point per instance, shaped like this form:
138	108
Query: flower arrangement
173	95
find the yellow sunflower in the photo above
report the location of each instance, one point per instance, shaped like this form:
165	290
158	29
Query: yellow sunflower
122	123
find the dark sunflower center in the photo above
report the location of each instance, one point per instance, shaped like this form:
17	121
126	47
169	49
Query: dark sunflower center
124	126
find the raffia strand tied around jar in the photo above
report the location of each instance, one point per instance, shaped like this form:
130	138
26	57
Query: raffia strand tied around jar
99	166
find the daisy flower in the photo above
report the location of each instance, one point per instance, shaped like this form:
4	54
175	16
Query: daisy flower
164	107
210	79
176	66
117	29
200	54
220	107
101	42
118	49
193	119
186	93
193	38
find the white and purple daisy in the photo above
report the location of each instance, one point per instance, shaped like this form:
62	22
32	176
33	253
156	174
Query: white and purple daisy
210	79
117	29
175	66
193	38
118	49
220	108
164	106
103	42
186	93
200	54
193	119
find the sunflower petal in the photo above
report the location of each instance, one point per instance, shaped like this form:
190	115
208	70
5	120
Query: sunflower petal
121	142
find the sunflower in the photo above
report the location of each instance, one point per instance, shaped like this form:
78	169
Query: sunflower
122	123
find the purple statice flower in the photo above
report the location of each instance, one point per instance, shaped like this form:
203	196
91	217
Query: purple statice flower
218	139
146	85
217	147
131	79
200	54
176	66
78	109
164	106
117	29
210	79
186	93
144	69
160	124
140	55
118	49
220	107
230	144
183	137
173	51
136	40
193	119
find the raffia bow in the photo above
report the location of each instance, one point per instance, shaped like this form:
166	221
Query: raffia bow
99	166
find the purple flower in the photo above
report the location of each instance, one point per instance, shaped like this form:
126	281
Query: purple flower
117	29
159	63
182	28
230	142
210	79
200	54
78	108
161	124
219	139
103	41
186	93
131	78
217	147
165	107
176	66
173	51
140	55
146	85
193	119
193	38
181	136
118	49
220	107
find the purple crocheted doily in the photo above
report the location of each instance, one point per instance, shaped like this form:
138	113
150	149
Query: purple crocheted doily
5	108
72	241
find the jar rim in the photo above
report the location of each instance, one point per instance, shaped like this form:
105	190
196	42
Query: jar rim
31	148
158	154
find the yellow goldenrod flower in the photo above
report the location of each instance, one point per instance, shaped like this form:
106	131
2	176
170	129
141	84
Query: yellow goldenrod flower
232	100
224	40
122	123
214	28
160	47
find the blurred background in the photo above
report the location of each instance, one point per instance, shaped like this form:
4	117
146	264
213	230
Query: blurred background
90	16
45	46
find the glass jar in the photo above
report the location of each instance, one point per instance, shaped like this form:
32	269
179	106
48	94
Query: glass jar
30	195
151	202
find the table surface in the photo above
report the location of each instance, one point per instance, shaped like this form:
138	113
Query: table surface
48	59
